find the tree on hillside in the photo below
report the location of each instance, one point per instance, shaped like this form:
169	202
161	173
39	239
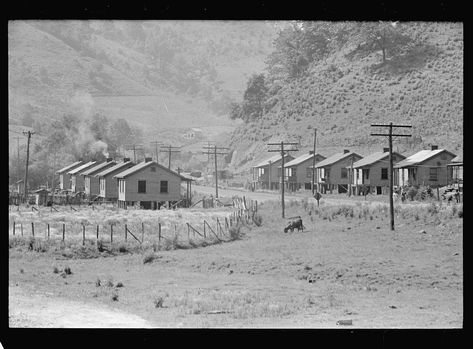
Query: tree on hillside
254	97
382	36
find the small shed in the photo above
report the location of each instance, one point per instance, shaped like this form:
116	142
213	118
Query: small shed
41	196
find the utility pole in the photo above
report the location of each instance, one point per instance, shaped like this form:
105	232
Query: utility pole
313	163
281	150
390	136
351	176
134	147
208	152
156	144
28	134
170	151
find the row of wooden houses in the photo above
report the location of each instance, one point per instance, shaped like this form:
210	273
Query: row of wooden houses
348	170
147	184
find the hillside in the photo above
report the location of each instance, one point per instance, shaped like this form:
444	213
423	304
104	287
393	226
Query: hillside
162	76
342	95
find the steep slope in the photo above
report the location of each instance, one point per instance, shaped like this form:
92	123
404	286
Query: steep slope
342	96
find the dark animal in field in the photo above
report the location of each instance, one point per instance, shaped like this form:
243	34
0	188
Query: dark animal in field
294	224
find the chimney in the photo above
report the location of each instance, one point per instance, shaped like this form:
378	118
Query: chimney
109	159
345	151
148	159
434	147
126	159
311	152
385	150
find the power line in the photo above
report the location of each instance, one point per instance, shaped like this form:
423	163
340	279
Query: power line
170	151
156	144
215	148
28	134
134	147
390	136
282	151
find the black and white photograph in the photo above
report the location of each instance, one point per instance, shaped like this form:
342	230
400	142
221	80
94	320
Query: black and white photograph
236	174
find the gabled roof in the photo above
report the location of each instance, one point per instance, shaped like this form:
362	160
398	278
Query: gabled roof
143	165
82	168
375	157
69	167
301	159
420	157
96	169
121	166
458	160
271	159
335	158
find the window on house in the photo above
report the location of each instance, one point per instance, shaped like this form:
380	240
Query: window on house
344	172
433	174
367	173
163	186
308	172
153	169
141	186
384	173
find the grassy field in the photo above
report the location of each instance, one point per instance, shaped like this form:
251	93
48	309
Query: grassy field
346	265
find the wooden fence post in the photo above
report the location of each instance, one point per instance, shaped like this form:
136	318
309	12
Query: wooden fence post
14	227
159	232
48	231
83	234
142	232
175	232
97	231
63	231
32	228
111	233
188	234
126	232
21	226
204	229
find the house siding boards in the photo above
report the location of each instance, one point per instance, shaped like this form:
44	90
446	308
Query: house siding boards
65	177
300	180
419	173
77	179
91	181
334	179
108	185
261	180
375	168
128	186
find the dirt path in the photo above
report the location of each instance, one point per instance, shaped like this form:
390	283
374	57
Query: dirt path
34	310
275	196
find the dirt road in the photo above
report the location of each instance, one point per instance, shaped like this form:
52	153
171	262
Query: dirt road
327	199
35	310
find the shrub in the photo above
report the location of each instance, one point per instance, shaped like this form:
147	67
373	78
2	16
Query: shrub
97	282
55	270
411	193
235	232
67	270
119	284
258	220
149	257
122	248
115	297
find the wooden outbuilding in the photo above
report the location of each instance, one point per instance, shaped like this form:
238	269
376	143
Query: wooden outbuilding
333	173
426	168
41	196
65	177
91	181
150	186
77	180
299	171
267	174
109	185
371	173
